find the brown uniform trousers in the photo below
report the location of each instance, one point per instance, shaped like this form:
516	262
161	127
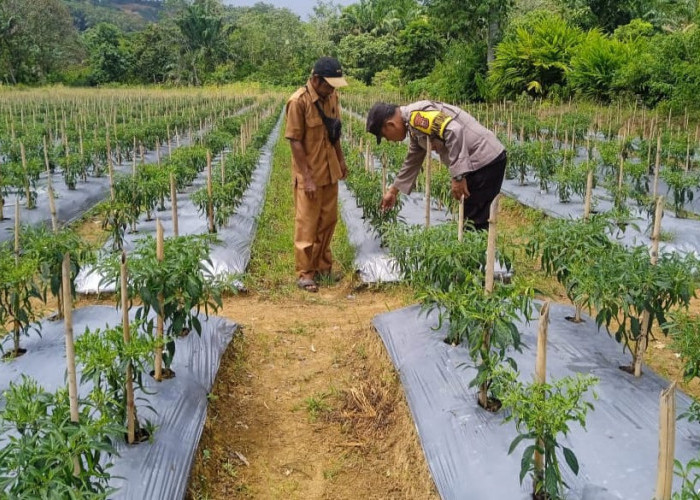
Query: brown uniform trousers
314	220
314	223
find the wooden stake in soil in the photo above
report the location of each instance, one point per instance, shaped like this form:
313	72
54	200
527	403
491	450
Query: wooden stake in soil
70	346
641	346
488	286
158	368
491	245
383	161
657	164
49	189
667	443
589	195
129	383
210	195
428	162
173	203
110	167
223	167
541	373
460	222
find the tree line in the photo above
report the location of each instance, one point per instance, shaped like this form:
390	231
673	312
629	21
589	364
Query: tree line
647	50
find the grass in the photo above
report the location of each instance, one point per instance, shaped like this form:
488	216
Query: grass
316	404
272	258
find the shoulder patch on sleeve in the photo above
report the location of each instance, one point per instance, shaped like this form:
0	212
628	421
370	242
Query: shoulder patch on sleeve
432	123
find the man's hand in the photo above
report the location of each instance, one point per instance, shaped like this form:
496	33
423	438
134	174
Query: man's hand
460	189
389	199
343	170
310	187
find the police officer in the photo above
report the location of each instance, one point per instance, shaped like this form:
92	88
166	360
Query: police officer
475	157
313	114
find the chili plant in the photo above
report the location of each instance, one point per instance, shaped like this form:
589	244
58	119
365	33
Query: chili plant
625	285
487	321
104	357
367	188
570	180
116	217
566	247
47	249
518	161
184	280
684	330
433	257
690	479
17	289
43	446
542	413
544	159
683	185
224	200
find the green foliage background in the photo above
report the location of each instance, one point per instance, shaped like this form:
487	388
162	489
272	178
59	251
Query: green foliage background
644	50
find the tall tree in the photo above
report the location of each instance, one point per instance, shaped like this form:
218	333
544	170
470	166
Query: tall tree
155	52
481	20
36	38
110	57
202	26
272	45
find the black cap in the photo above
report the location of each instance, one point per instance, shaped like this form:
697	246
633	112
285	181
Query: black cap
380	112
329	68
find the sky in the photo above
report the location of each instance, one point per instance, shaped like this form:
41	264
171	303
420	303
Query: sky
304	8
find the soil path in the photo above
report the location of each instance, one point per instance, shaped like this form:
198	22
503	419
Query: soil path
307	404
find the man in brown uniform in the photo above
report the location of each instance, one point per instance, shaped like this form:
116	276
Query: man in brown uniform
475	157
318	164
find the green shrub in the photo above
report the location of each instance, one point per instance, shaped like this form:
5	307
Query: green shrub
595	65
38	458
535	58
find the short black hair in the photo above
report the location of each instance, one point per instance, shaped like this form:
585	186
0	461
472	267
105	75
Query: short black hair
378	114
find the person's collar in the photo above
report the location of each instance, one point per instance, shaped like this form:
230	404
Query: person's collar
405	115
312	91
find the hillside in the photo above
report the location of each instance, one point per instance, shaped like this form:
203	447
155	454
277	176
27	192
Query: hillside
128	15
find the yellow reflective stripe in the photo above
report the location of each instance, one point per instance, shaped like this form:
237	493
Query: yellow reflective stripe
432	123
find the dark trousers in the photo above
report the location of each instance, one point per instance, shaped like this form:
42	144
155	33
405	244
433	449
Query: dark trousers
484	185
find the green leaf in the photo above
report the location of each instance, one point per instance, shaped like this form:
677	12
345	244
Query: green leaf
570	459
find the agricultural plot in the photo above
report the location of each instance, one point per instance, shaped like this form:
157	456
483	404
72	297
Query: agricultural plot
63	160
146	377
223	199
631	288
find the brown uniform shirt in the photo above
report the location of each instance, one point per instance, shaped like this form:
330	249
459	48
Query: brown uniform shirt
304	124
464	145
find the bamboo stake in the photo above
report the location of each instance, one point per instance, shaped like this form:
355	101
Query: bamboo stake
589	195
223	167
427	181
27	186
130	407
173	202
657	164
383	161
70	346
210	195
667	442
110	167
460	223
641	346
488	286
52	199
491	245
541	373
158	369
15	328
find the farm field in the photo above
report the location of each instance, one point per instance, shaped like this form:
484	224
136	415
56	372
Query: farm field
305	401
